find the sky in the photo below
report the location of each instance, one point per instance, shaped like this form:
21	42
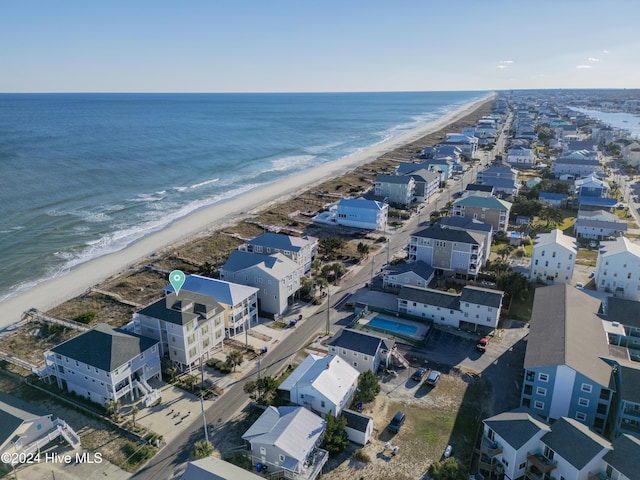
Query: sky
317	46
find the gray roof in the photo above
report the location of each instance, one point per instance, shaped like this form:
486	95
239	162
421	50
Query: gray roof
13	413
423	175
437	232
629	387
625	454
356	421
429	296
624	311
476	187
397	179
565	330
499	182
577	161
585	223
294	430
419	268
482	296
277	265
516	427
574	442
465	223
365	343
282	242
212	468
183	310
104	347
409	167
223	292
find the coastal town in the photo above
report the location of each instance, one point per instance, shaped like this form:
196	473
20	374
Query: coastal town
467	303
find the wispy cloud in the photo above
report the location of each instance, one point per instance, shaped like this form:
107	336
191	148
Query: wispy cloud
606	52
593	59
583	66
506	61
502	66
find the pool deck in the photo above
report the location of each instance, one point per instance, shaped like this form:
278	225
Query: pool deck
421	328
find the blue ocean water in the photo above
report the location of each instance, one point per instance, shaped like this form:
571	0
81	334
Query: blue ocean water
83	175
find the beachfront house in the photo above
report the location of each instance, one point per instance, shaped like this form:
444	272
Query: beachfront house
104	364
398	190
188	327
364	351
484	207
553	258
598	225
301	250
450	250
287	440
468	144
474	307
324	385
240	302
427	184
618	268
361	213
566	374
276	277
26	428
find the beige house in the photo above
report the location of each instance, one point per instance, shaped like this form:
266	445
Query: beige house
485	208
631	154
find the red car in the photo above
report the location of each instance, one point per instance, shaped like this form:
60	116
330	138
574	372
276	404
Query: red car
481	346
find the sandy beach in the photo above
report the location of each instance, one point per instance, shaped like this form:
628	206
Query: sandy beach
52	292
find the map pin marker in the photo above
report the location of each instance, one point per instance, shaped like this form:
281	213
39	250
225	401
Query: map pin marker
177	278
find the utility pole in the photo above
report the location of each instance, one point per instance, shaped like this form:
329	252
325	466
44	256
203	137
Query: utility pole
328	329
204	416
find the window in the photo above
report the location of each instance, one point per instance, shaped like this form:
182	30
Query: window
263	451
586	388
440	243
281	457
538	404
322	403
553	255
581	417
583	402
541	391
522	465
549	453
543	377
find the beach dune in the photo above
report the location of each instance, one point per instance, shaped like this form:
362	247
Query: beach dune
52	292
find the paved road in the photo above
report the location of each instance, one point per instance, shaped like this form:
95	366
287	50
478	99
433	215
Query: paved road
170	461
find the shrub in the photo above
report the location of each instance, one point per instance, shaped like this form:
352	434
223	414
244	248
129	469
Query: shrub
362	456
85	317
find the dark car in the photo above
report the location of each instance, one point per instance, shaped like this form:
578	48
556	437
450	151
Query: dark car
482	344
419	374
433	377
396	422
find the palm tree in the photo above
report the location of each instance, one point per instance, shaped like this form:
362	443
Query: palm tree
505	251
235	358
172	370
113	407
134	412
202	449
190	381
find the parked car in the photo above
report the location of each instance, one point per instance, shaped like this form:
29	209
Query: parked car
481	346
448	451
579	285
419	374
396	422
433	377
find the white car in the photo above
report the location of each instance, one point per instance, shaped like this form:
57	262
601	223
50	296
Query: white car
579	285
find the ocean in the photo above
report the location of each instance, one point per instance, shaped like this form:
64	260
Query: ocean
84	175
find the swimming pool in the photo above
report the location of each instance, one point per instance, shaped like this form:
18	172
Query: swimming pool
391	326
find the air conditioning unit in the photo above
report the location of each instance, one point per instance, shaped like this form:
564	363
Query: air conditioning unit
625	420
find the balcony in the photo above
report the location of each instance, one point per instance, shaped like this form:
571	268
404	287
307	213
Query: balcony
598	476
490	448
488	464
631	411
538	465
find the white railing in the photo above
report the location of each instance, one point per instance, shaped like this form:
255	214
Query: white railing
61	429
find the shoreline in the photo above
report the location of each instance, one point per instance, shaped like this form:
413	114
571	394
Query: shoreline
54	291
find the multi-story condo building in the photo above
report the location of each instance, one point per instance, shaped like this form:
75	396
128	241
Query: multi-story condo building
484	207
451	250
554	256
566	374
187	327
396	189
276	276
301	250
240	302
104	364
472	308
